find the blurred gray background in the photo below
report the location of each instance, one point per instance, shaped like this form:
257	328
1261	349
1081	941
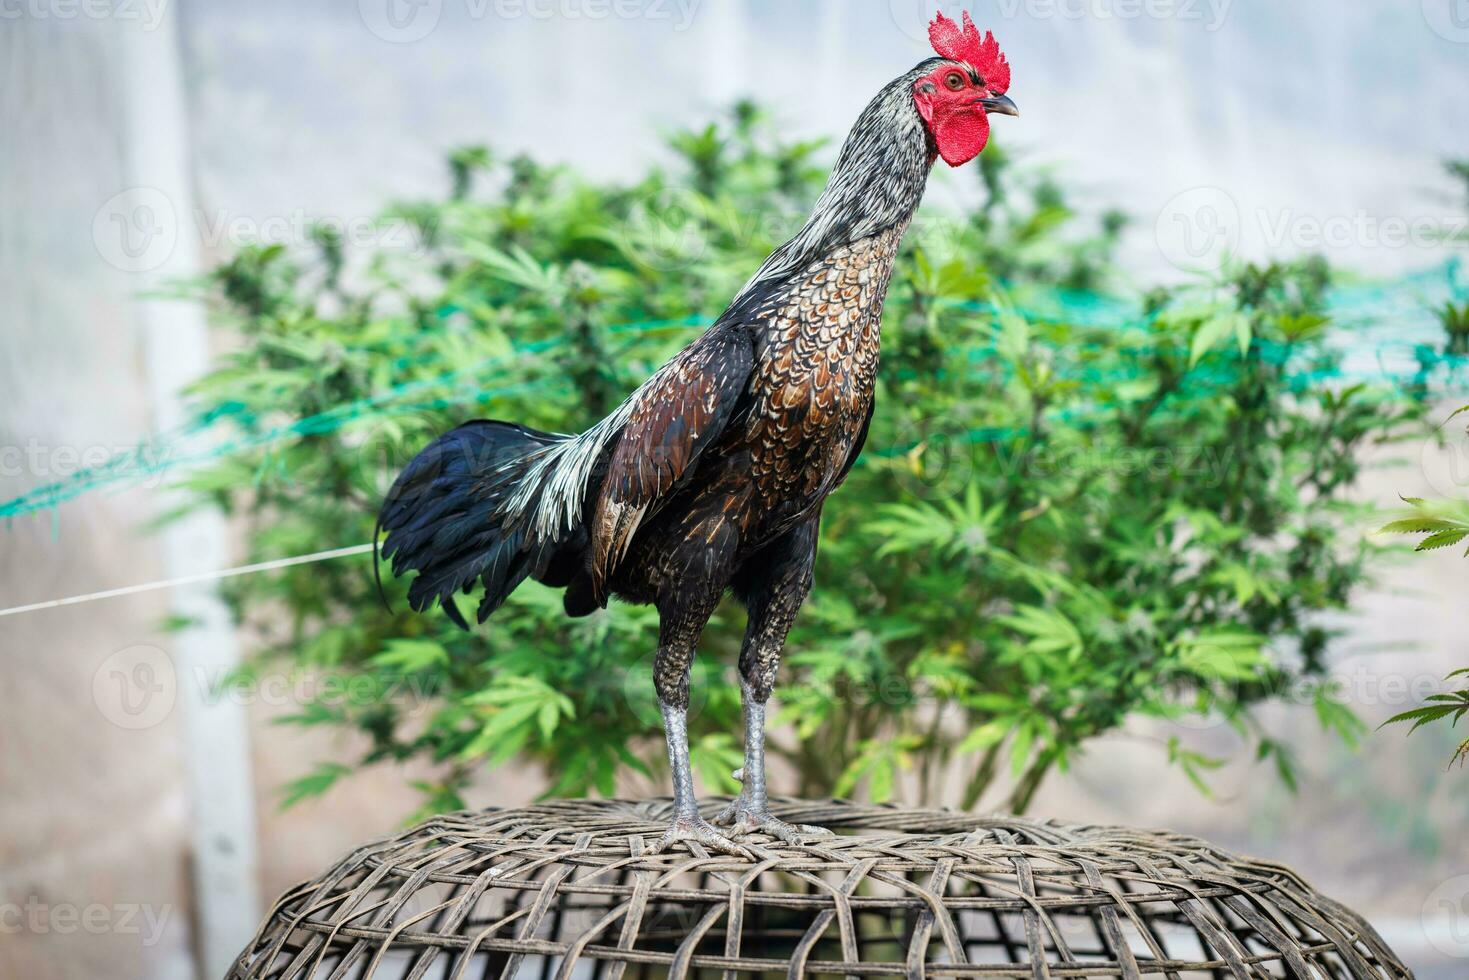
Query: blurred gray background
140	140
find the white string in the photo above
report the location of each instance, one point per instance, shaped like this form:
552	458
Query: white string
264	566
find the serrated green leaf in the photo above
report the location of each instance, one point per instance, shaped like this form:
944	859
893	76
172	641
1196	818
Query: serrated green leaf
984	736
1416	525
1213	330
1442	539
313	784
408	656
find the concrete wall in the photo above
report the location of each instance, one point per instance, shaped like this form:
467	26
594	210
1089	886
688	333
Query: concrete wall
94	816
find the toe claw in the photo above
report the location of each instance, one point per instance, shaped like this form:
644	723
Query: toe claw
724	845
741	817
697	829
727	817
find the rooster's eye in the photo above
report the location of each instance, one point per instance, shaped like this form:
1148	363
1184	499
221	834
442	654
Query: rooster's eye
955	81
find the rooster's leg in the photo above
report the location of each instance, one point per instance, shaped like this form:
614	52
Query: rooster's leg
671	678
750	811
773	595
687	824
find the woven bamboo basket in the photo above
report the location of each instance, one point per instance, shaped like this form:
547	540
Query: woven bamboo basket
568	890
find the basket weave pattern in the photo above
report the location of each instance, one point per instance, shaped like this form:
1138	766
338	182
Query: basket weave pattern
568	890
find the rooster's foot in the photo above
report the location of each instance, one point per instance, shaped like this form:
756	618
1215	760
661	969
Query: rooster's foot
744	816
696	828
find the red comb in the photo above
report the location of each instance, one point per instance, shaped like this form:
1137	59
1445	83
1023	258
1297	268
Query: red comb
966	45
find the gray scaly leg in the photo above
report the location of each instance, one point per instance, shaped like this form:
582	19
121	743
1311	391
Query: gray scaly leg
773	595
678	635
750	811
687	824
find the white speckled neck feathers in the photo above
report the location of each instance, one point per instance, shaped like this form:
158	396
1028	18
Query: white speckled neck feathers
877	183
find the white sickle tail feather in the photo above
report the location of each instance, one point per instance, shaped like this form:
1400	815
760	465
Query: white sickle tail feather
492	502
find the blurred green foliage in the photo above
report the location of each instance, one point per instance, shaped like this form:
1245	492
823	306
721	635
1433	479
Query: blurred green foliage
1442	523
1059	523
1439	524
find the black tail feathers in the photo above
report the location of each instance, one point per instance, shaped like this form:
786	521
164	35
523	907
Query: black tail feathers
447	519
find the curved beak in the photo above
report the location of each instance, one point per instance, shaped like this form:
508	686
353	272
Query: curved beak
1000	104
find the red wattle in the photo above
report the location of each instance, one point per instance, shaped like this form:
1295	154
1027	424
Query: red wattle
961	136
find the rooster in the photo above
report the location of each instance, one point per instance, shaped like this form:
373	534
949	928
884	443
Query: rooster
710	478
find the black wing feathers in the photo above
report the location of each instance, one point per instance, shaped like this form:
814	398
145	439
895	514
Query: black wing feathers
680	411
